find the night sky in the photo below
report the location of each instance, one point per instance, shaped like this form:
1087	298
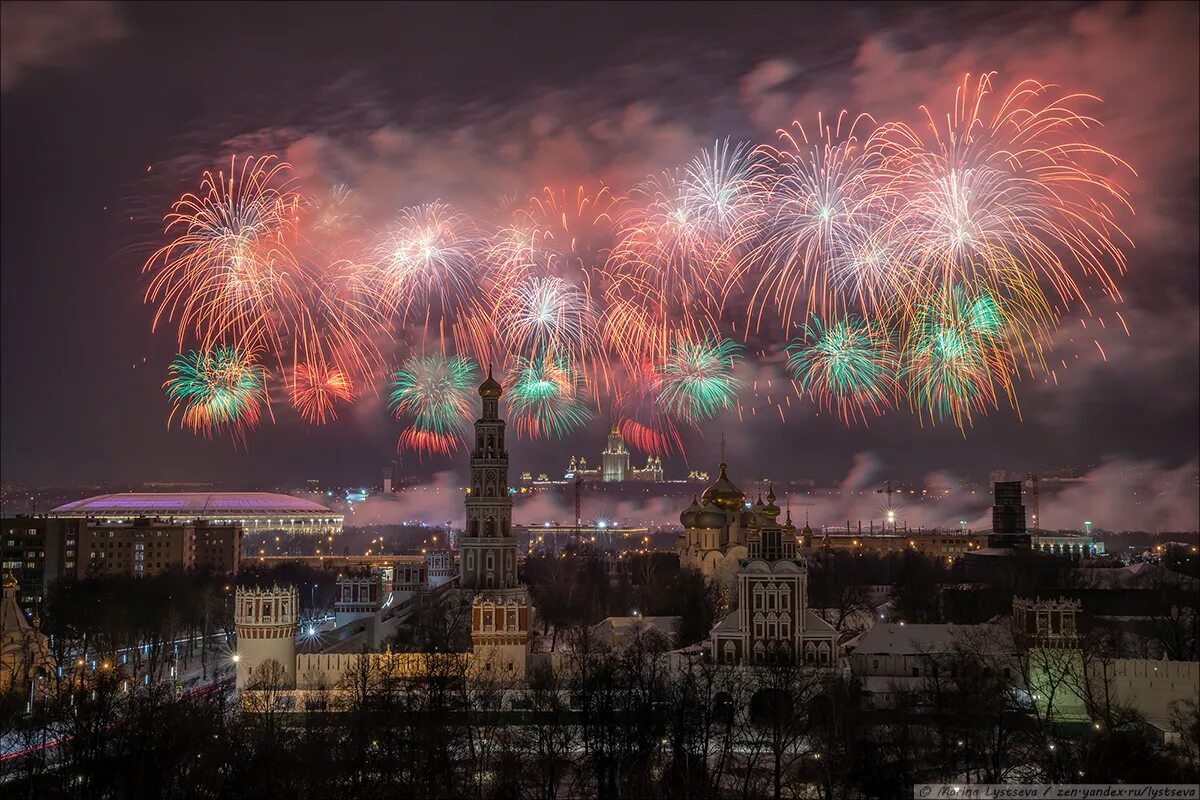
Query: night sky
468	103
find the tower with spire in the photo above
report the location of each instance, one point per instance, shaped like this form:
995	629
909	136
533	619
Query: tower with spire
500	610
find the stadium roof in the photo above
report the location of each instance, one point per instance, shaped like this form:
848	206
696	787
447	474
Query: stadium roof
193	504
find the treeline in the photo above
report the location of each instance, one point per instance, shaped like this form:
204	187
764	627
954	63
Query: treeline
146	624
611	723
577	588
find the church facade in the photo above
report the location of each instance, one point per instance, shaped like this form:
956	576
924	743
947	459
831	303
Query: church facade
772	617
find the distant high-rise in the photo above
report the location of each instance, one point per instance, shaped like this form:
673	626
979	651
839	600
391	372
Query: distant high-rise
615	464
615	458
1008	512
1008	516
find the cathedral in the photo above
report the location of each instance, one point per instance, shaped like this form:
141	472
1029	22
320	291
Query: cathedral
714	530
744	547
772	614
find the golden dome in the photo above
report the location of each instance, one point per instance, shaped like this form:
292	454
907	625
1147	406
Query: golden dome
711	516
690	514
724	494
490	387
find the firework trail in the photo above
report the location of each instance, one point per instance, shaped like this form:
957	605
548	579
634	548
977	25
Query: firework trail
222	390
434	393
544	397
697	379
847	367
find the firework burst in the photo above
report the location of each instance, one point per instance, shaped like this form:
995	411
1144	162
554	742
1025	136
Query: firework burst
1009	201
956	362
697	380
434	394
667	273
544	397
227	273
222	390
545	315
428	273
817	210
846	367
316	388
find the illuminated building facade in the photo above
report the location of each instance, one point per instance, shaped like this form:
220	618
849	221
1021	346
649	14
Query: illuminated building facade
615	465
772	616
256	512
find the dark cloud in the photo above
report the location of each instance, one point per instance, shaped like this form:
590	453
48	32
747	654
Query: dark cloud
52	35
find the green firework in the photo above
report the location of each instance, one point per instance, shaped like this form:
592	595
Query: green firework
697	379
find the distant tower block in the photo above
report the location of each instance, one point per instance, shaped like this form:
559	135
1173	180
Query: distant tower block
265	620
614	461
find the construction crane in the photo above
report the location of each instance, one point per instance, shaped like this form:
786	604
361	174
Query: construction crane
1033	491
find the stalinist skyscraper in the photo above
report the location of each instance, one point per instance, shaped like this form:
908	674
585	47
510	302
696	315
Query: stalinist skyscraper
499	604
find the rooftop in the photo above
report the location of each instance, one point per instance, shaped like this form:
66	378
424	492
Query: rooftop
194	504
914	639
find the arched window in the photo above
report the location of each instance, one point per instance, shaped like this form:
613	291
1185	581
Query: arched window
730	651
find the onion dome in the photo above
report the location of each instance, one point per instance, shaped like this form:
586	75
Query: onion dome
690	514
771	510
724	494
710	516
490	387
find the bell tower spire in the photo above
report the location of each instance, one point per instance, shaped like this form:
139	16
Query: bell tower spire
500	610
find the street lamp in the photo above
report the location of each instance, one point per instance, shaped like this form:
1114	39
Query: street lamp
36	675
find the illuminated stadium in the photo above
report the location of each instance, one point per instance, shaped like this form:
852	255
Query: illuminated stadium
255	511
